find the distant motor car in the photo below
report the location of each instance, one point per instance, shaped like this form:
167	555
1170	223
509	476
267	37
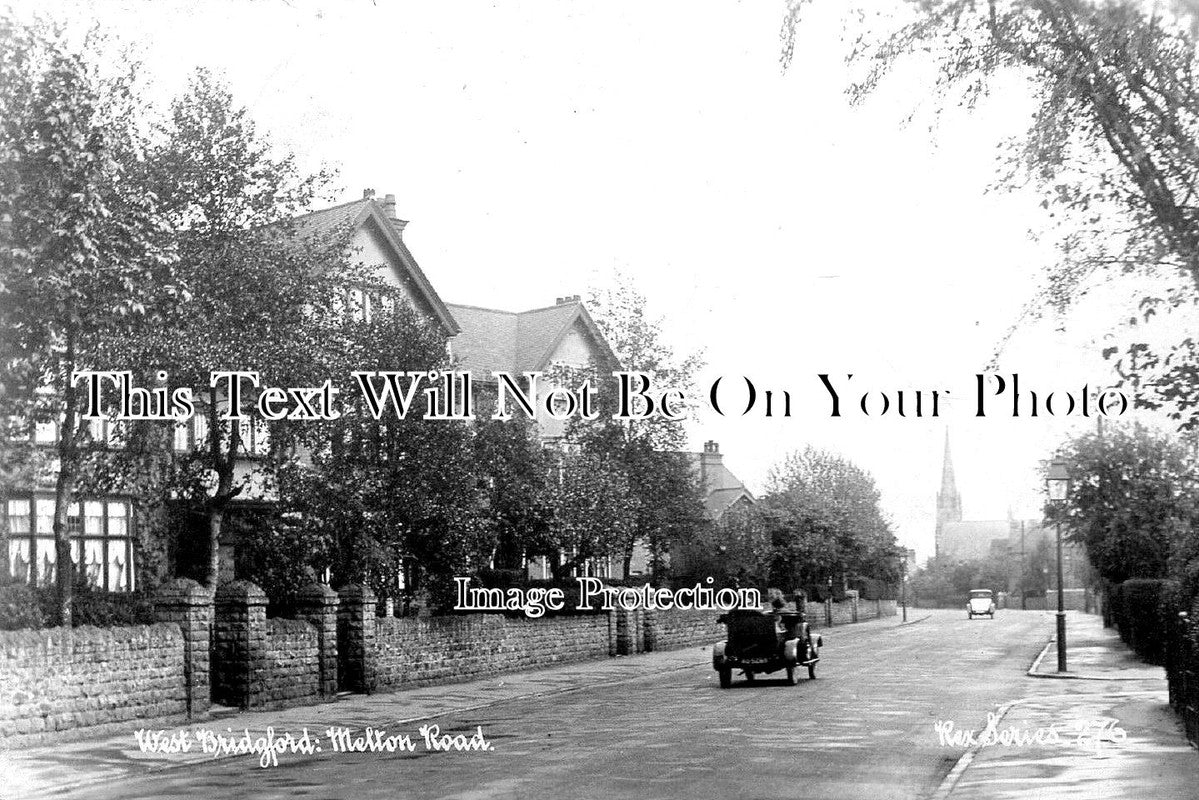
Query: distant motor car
980	604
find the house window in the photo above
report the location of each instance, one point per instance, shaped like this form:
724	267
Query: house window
200	431
100	533
359	306
108	433
255	436
182	441
45	432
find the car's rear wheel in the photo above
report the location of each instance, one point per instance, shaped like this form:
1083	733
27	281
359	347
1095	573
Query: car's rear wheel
726	678
791	680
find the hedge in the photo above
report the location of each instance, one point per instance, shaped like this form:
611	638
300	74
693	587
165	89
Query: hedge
1139	610
23	606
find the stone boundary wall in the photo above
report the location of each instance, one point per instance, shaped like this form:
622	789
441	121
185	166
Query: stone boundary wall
90	680
261	663
293	666
675	629
847	612
418	652
61	679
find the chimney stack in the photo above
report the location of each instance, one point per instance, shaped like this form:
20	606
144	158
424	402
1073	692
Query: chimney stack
368	194
708	459
561	301
389	210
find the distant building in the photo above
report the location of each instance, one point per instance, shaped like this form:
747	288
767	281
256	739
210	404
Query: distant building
516	342
722	489
722	492
1011	540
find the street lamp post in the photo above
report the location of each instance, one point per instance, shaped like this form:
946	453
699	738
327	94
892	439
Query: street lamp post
903	585
1058	483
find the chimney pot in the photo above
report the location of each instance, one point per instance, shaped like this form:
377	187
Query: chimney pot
368	194
389	210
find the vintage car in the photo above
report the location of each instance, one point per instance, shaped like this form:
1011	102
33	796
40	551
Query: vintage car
981	603
761	642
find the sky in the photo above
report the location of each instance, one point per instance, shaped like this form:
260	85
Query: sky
537	149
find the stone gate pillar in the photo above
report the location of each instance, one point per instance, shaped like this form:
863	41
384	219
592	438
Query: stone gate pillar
356	638
317	604
189	605
239	645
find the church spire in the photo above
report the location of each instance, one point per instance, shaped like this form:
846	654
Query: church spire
949	486
949	502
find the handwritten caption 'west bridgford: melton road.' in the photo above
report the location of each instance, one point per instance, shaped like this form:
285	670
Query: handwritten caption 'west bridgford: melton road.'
271	744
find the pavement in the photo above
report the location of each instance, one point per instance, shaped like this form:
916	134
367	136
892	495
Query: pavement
51	770
1116	735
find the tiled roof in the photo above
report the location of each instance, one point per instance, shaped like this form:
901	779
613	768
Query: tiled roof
486	342
491	340
327	220
538	332
342	217
721	487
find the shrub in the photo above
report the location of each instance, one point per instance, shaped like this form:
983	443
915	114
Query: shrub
19	607
874	589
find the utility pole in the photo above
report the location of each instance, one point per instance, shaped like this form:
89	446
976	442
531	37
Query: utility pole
1023	598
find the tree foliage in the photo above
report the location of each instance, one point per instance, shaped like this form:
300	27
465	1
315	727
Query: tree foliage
87	261
665	496
826	519
262	291
1111	148
1132	501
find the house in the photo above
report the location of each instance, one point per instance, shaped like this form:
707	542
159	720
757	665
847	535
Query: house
517	342
722	491
377	240
537	340
104	527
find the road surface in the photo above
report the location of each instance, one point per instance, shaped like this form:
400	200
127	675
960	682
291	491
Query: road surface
863	728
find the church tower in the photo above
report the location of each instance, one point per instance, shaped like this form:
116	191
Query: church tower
949	502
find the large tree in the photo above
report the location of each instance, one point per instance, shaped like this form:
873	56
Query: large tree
86	253
827	519
1132	501
263	291
666	500
1113	147
381	498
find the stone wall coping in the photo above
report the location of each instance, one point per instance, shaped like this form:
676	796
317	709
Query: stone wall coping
356	593
241	592
317	594
182	591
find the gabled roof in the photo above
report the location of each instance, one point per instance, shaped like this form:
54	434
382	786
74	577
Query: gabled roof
367	212
491	340
722	489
